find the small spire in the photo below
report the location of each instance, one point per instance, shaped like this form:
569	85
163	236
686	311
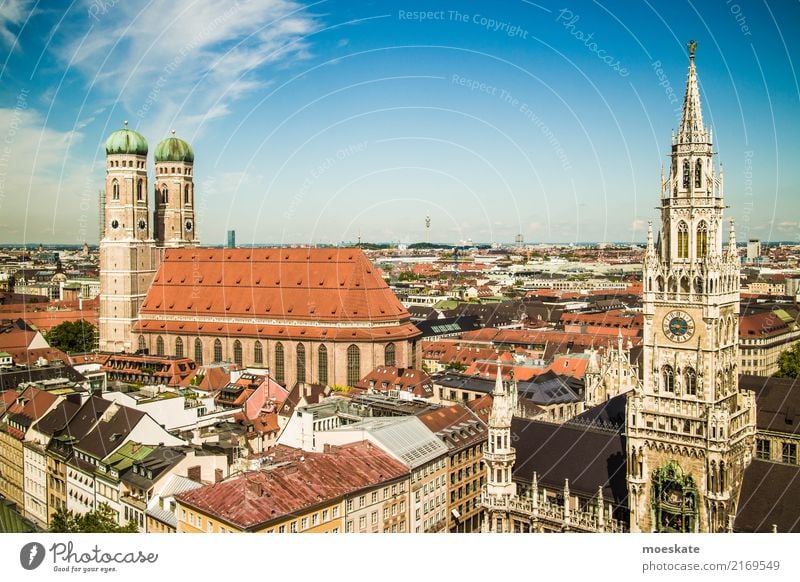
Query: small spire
691	129
732	239
650	244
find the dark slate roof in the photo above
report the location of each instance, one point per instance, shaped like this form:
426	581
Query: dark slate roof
108	435
770	496
58	418
588	458
464	382
448	325
608	415
490	314
777	402
85	419
11	380
159	461
422	312
551	388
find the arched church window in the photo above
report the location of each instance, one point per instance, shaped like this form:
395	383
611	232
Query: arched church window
115	190
237	352
198	351
217	350
301	363
280	375
668	378
140	190
690	381
683	240
159	346
389	355
702	239
353	365
258	353
179	347
164	194
686	174
142	344
322	361
186	194
698	174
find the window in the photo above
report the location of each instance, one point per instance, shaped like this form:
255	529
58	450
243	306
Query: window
198	351
362	501
186	197
335	511
140	190
142	344
301	363
159	346
353	365
348	527
686	174
293	527
683	240
217	350
668	379
304	523
323	365
179	347
258	353
762	449
164	194
374	517
349	505
702	239
362	522
698	174
237	352
690	381
374	497
789	453
279	369
388	354
115	190
281	529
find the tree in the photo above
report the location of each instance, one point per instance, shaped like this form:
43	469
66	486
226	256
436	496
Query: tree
73	337
789	363
102	520
456	366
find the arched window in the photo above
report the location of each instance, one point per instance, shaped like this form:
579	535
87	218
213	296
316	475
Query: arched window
142	344
159	346
115	190
668	379
164	194
198	351
690	381
237	352
698	174
186	194
217	350
178	347
683	240
301	363
686	173
140	190
353	365
323	365
702	239
388	355
279	369
258	353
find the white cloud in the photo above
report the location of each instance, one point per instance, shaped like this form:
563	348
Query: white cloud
51	196
176	62
12	13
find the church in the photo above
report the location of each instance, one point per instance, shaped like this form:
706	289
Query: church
311	315
668	447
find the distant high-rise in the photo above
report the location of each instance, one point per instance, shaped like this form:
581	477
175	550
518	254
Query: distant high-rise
753	249
231	239
519	240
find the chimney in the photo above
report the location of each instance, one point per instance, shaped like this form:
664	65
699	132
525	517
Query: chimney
254	488
194	473
217	475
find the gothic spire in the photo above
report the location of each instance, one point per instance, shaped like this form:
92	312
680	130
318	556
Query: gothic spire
691	129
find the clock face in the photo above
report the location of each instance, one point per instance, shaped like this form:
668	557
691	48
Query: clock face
188	225
142	224
678	326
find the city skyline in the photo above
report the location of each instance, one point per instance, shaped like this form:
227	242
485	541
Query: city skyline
540	120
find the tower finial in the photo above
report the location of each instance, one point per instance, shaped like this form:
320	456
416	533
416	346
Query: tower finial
692	48
173	132
125	123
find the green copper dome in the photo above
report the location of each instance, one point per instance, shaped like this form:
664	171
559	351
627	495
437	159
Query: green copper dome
126	141
174	149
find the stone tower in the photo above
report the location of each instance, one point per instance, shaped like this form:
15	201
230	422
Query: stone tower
689	431
500	455
127	250
173	218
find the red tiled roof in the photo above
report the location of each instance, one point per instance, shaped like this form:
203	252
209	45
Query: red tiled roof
26	357
761	324
253	500
293	284
403	379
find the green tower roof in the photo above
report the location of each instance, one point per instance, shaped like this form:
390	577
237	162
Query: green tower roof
126	141
174	149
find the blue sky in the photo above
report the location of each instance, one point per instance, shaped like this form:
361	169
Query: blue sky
317	122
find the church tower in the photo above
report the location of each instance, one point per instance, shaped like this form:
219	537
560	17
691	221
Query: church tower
174	219
500	455
127	257
689	430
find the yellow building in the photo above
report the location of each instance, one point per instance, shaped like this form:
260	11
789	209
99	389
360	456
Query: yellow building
298	492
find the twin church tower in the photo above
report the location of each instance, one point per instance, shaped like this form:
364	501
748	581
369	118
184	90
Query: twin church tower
133	234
